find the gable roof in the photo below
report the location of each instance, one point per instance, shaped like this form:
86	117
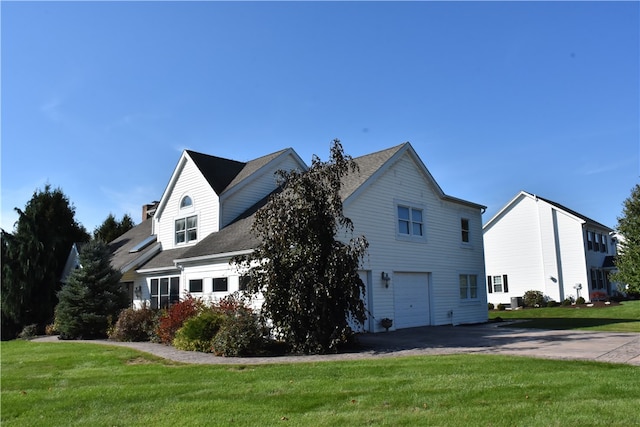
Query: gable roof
374	164
558	206
217	171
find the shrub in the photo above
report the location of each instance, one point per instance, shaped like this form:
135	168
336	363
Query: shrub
533	299
580	300
135	325
28	332
197	332
567	301
240	335
552	303
502	307
491	306
174	317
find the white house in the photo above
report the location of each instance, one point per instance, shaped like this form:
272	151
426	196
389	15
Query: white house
425	264
534	243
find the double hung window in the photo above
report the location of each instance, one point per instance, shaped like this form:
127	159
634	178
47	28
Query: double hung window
410	221
498	284
468	286
186	229
464	229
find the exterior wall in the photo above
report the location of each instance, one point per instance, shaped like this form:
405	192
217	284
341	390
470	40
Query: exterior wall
540	247
513	246
260	185
205	205
441	254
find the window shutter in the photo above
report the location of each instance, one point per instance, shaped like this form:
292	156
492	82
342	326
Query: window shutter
489	286
505	284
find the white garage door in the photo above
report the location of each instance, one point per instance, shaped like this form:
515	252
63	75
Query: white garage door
411	294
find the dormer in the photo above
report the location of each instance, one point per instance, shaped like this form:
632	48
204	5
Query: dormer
206	193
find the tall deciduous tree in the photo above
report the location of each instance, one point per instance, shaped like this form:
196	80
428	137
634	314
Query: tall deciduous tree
308	278
92	295
33	257
628	259
111	228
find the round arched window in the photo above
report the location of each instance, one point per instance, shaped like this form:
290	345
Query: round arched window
186	202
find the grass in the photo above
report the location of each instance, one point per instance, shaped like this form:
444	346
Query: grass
615	318
74	384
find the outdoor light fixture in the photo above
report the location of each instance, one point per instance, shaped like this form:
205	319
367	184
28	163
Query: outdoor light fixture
385	279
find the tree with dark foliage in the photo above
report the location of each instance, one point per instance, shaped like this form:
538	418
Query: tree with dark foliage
92	296
111	228
628	259
33	257
308	278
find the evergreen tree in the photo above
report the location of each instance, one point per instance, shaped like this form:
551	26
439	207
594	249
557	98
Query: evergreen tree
34	255
308	278
92	296
628	259
111	228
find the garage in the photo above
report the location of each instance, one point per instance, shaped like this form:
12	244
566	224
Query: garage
411	295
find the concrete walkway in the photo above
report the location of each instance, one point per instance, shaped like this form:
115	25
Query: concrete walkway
479	339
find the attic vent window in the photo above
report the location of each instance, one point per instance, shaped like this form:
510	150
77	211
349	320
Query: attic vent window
186	202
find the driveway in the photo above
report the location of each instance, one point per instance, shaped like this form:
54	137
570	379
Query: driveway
431	340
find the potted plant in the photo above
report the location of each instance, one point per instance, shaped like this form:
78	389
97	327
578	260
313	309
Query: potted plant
386	323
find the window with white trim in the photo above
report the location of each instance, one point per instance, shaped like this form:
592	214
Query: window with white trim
186	202
464	229
468	286
497	284
164	291
220	284
195	285
186	229
410	221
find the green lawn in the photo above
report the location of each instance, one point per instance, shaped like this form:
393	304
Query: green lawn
616	318
74	384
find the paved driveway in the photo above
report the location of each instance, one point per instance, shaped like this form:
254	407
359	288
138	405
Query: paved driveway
482	339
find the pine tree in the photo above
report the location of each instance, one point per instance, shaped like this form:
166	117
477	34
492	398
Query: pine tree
308	278
33	257
628	259
111	228
92	296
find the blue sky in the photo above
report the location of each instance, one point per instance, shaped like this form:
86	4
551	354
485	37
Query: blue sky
100	99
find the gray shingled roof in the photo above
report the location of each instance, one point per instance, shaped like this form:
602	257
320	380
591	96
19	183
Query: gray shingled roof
121	246
164	259
252	166
368	165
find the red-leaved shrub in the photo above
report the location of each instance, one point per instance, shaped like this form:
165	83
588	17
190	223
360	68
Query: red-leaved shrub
175	316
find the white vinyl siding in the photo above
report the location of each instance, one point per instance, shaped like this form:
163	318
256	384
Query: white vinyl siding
443	256
204	204
255	189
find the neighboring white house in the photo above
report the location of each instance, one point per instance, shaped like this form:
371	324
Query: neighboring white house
537	244
425	264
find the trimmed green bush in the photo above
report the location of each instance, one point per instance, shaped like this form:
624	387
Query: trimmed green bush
502	307
197	332
552	303
491	306
567	302
240	335
533	299
580	300
135	325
